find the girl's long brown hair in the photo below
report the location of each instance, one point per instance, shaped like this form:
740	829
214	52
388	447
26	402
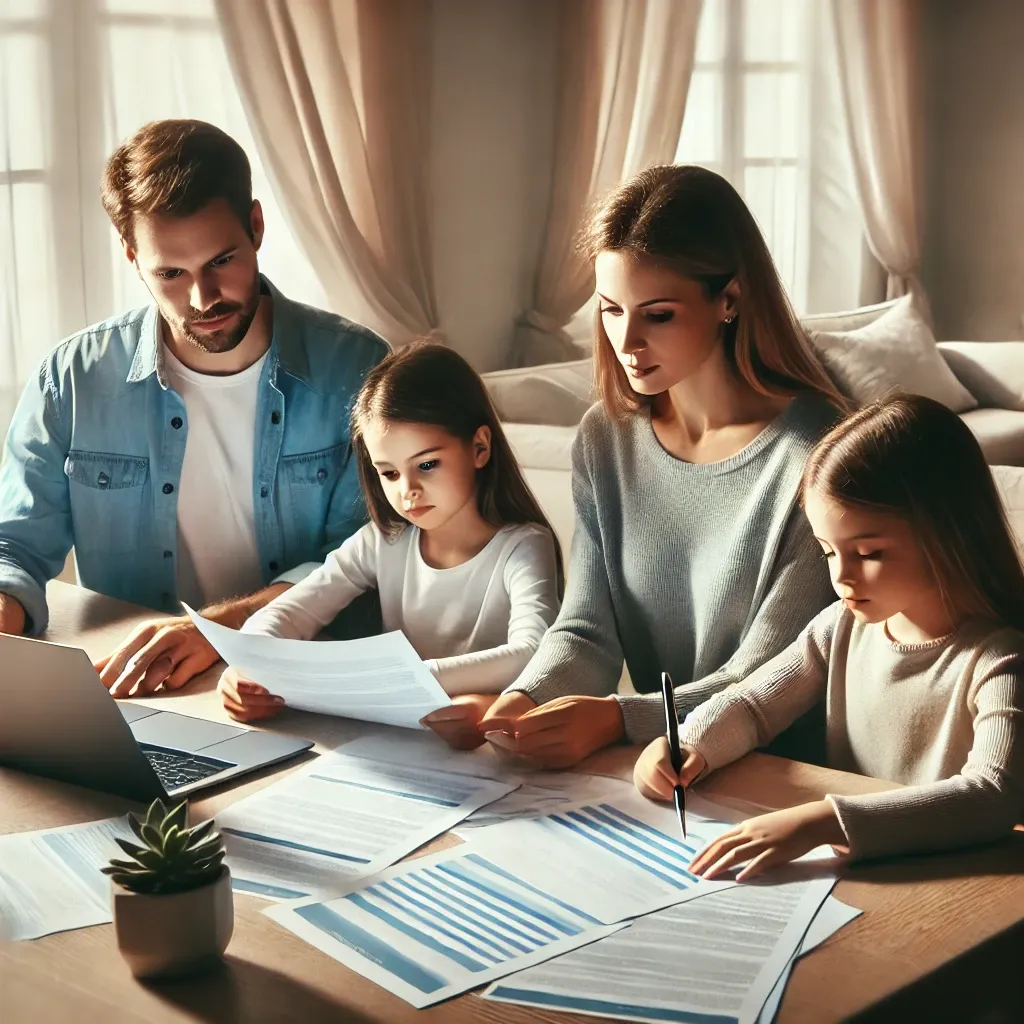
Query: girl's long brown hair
693	221
429	383
912	457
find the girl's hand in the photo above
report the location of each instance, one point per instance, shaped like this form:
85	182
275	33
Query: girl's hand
459	723
653	774
245	700
564	731
770	839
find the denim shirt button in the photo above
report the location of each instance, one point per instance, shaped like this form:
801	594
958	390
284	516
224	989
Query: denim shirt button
273	566
177	422
264	492
168	488
102	480
168	554
275	416
321	474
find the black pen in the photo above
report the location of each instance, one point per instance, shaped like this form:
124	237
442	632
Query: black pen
672	731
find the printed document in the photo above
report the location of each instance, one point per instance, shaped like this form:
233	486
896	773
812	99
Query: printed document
340	817
439	925
377	679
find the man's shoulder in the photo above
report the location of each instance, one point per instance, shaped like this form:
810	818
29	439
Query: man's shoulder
105	347
332	337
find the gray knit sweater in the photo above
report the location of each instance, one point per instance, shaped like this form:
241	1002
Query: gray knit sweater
703	570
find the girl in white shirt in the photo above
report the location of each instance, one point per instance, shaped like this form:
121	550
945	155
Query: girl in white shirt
920	663
461	554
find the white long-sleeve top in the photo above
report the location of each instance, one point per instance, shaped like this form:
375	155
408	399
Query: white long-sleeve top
476	624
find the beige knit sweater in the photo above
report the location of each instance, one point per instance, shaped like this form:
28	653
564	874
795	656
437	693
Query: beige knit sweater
945	718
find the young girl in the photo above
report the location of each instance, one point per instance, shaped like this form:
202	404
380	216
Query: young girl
463	558
920	662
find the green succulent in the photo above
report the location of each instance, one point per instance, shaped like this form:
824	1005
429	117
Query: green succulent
173	859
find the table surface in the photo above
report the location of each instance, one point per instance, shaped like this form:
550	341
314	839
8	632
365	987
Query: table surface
920	913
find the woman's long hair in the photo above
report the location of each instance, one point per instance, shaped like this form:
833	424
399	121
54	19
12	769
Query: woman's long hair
912	457
429	383
693	221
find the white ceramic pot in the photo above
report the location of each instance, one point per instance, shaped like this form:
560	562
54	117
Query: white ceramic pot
167	936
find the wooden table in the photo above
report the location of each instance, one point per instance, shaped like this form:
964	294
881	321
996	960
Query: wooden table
920	914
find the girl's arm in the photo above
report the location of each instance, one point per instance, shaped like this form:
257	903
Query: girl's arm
580	654
530	578
753	712
798	590
980	804
304	609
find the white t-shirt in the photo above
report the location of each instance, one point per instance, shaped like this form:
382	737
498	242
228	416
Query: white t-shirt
476	624
217	552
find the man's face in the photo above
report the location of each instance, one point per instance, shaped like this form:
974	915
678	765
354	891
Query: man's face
202	272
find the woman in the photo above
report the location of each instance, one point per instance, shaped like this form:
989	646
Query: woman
690	553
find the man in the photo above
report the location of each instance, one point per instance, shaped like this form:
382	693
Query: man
194	450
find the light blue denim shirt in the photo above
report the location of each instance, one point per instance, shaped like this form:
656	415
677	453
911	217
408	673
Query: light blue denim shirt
94	452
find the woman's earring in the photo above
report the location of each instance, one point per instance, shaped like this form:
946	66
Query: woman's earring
729	319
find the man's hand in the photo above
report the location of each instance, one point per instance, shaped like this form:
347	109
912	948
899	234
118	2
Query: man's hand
654	776
245	700
459	723
562	732
770	839
12	615
161	652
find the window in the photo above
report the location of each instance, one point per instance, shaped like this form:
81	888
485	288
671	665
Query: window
763	110
76	78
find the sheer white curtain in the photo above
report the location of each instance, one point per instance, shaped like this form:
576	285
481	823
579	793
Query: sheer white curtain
76	78
338	92
622	92
878	42
765	111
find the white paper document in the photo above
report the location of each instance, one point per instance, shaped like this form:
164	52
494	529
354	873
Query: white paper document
439	925
50	880
712	959
377	679
340	817
614	859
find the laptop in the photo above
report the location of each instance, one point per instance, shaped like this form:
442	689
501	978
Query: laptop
57	720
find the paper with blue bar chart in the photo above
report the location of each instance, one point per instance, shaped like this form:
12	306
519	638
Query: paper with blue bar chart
431	928
341	817
614	859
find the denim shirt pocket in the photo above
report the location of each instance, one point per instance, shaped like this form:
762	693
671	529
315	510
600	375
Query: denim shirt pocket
107	492
307	483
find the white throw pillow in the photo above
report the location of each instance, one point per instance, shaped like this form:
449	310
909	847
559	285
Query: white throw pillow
993	371
896	350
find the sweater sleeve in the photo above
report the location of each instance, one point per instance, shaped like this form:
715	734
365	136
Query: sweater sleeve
530	577
753	712
304	609
980	804
580	654
798	589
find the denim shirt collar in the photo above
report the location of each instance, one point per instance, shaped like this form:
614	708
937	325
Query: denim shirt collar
287	349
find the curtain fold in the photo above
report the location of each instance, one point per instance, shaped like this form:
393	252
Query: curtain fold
878	45
338	97
625	69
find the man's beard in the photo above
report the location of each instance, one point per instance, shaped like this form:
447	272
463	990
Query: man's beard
218	342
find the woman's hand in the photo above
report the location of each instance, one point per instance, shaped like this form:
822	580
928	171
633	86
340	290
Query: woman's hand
459	723
770	839
245	700
653	774
563	732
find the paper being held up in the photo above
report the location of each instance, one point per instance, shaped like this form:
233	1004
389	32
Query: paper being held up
376	679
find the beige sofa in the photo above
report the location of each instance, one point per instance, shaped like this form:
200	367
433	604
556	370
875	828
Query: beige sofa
541	406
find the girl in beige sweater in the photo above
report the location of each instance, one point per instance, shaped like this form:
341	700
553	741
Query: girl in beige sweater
920	662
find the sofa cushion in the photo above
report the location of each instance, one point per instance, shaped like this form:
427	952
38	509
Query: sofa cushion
895	350
993	371
555	393
1010	482
1000	432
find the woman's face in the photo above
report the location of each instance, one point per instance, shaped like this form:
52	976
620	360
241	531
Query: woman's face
661	325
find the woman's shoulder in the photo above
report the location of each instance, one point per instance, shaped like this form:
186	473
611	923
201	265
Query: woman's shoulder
809	417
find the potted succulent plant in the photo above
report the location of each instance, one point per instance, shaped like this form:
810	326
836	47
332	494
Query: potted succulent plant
173	913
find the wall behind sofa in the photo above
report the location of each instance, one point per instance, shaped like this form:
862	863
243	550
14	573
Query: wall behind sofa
974	247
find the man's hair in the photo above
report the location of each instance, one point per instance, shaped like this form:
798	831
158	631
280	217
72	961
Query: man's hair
174	168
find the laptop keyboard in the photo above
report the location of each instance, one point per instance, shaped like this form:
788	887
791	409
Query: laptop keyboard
176	768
